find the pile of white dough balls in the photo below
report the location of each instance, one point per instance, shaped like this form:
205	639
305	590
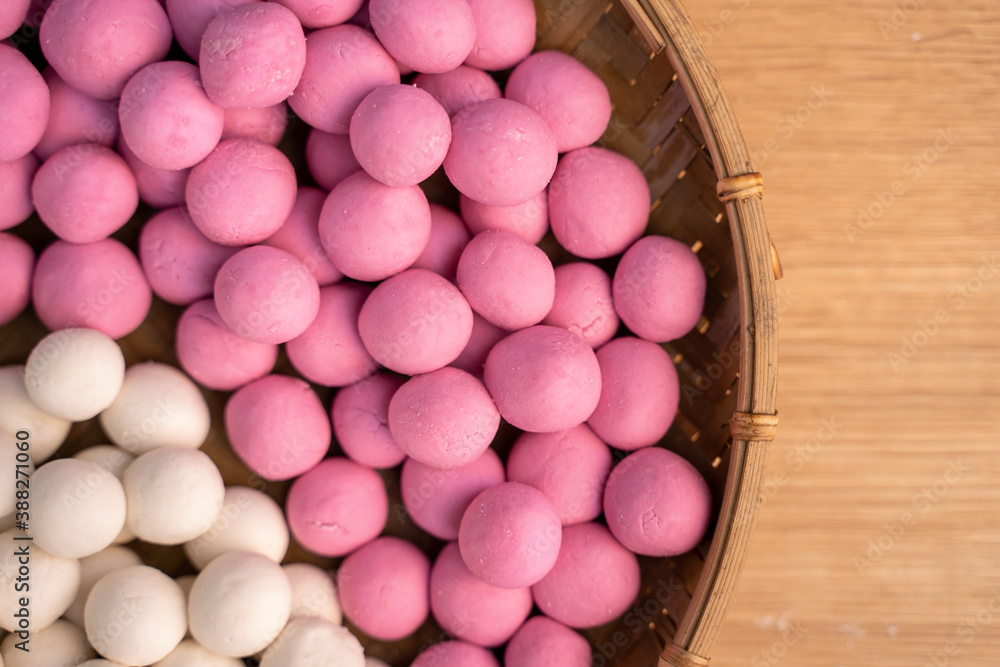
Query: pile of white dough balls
94	602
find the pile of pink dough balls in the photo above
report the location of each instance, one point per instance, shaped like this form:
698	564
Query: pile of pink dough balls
432	325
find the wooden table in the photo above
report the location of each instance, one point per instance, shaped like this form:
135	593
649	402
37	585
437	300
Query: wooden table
877	128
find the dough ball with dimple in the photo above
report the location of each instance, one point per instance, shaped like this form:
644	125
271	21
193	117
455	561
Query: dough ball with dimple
250	520
77	507
330	158
98	285
62	643
178	260
92	569
277	426
360	415
542	642
314	642
19	412
570	467
543	379
458	88
189	18
336	507
505	33
242	192
54	582
313	592
135	615
594	580
659	289
583	303
506	279
510	535
383	588
190	653
157	406
214	355
299	235
572	99
74	373
502	153
529	220
252	56
174	494
266	295
24	105
84	193
343	64
265	124
166	117
468	608
444	418
415	322
455	652
322	13
448	239
371	230
97	45
425	35
75	118
15	190
656	503
160	188
239	585
598	202
330	351
17	264
400	134
640	393
436	499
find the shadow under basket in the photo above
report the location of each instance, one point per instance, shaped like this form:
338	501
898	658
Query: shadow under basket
672	118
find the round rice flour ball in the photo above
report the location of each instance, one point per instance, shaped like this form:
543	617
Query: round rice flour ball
74	373
54	582
245	586
174	494
157	406
154	605
77	507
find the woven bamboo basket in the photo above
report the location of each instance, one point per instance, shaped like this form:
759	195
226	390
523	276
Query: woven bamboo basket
673	119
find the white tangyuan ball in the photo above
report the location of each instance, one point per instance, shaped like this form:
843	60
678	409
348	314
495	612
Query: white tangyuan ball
74	373
62	644
98	662
77	507
250	520
135	615
16	467
239	603
174	494
116	460
92	568
53	580
310	641
158	406
190	653
19	413
375	662
313	592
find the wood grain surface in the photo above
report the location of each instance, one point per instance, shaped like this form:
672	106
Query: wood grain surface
876	126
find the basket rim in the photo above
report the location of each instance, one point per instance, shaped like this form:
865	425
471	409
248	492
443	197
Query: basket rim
666	26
